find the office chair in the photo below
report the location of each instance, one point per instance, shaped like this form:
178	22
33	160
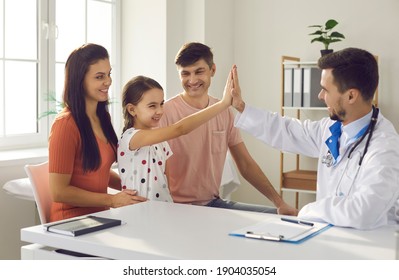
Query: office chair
39	178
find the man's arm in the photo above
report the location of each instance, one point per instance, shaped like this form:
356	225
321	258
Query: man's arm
251	171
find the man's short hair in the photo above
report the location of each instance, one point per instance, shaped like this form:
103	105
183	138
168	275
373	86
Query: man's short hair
190	53
353	68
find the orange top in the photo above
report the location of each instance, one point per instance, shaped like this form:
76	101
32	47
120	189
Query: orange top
65	157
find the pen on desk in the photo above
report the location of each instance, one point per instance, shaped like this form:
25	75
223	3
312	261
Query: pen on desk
297	222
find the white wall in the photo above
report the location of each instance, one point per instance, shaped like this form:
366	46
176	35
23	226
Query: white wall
172	23
143	39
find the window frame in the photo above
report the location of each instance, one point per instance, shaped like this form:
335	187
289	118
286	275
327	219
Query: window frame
46	79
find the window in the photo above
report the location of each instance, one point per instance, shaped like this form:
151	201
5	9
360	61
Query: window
36	38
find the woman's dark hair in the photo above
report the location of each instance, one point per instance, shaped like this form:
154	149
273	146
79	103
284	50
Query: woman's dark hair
353	68
132	93
76	67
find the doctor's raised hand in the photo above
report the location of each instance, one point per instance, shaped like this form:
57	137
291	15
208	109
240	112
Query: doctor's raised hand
237	101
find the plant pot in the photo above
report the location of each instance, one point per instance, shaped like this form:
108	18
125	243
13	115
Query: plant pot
324	52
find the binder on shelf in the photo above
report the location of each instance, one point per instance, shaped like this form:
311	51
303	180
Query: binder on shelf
311	87
297	87
285	229
288	87
82	225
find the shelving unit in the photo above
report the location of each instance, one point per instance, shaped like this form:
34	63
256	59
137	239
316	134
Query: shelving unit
299	179
296	180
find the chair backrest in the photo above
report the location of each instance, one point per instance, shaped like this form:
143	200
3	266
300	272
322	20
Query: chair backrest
39	178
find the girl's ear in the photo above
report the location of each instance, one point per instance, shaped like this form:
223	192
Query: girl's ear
131	109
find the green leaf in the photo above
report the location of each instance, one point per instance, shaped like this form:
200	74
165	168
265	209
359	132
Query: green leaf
318	39
330	24
335	40
318	32
47	113
337	35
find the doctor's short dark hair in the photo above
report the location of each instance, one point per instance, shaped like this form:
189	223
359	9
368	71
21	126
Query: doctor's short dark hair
353	68
190	53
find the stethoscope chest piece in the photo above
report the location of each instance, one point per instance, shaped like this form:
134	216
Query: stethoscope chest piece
327	159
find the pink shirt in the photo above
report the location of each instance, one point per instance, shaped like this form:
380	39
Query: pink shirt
196	167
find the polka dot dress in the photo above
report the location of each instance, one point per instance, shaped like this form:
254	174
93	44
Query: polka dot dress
144	169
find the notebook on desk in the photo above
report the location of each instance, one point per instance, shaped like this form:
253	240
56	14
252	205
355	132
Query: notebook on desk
82	225
283	229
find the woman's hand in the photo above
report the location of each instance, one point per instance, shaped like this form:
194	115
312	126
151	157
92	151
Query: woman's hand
126	197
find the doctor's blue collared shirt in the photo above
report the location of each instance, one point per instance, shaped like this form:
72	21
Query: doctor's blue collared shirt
350	134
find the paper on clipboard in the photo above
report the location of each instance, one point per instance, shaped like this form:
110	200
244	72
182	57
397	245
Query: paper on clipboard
274	229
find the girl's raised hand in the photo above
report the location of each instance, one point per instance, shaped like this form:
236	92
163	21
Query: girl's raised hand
228	88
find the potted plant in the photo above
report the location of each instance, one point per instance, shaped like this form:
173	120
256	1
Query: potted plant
59	105
325	35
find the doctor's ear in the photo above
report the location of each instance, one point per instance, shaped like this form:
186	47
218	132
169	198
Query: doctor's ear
353	95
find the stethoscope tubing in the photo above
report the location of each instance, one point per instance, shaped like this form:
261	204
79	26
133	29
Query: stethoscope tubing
369	132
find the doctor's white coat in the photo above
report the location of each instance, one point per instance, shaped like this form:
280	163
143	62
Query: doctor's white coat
348	195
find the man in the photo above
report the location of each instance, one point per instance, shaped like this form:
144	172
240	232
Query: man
358	177
197	164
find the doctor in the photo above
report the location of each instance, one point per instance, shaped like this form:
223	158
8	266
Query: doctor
358	176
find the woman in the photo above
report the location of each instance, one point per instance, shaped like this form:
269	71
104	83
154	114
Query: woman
82	143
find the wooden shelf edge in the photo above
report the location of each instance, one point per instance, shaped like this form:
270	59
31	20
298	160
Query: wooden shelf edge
300	180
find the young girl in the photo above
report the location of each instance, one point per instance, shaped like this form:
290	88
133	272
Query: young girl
142	149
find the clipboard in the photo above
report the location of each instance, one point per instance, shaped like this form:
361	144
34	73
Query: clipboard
282	229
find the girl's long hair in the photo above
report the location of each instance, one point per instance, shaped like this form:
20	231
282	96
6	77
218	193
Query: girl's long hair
76	67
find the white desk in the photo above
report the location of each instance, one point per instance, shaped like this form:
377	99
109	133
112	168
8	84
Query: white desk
157	230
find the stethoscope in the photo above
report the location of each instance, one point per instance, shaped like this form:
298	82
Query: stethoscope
328	159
